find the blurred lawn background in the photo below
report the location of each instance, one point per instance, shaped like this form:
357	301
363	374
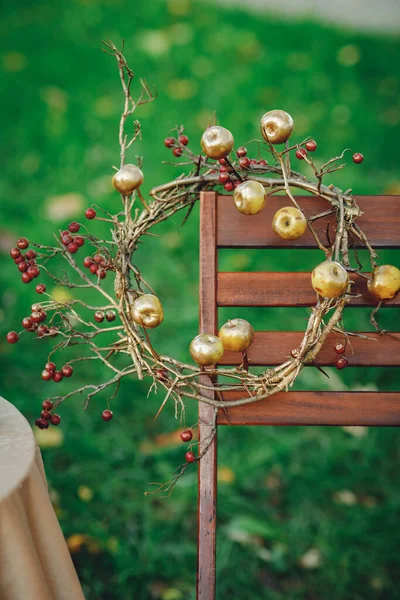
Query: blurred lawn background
303	513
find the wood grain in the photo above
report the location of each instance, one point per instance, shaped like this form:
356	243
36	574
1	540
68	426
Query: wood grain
207	467
380	222
317	408
272	348
281	289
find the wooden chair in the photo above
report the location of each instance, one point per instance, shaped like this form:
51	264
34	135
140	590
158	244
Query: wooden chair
222	226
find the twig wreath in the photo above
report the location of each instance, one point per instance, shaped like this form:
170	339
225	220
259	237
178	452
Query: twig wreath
134	308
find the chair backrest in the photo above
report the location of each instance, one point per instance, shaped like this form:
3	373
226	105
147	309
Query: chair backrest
222	226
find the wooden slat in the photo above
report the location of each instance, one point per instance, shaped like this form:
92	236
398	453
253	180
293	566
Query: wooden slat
380	222
281	289
207	467
317	408
274	347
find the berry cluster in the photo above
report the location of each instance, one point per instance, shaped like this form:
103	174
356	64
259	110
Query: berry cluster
227	175
341	360
72	243
50	372
97	265
26	263
46	418
100	315
177	145
186	436
310	146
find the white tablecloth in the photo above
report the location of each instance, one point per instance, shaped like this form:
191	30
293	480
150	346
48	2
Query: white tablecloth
35	563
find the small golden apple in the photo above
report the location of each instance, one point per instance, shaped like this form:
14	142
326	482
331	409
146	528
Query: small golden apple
330	279
249	197
289	223
127	179
147	311
206	349
276	126
217	142
236	335
385	282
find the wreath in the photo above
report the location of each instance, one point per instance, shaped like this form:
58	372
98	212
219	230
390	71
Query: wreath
133	309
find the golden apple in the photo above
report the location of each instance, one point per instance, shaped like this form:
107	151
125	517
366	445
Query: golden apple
236	335
385	282
249	197
127	179
276	126
330	279
147	311
206	349
289	223
217	142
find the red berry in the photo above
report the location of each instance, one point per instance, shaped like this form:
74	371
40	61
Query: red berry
301	153
42	330
40	288
358	158
177	151
22	243
36	307
22	266
36	316
98	258
50	366
27	323
31	254
67	370
190	457
311	145
222	161
223	169
242	151
110	315
93	268
107	415
45	415
15	253
169	142
12	337
228	186
224	177
66	237
33	272
161	374
47	405
184	140
236	183
340	348
263	162
47	375
101	273
57	376
79	240
341	362
244	162
41	423
90	213
26	278
99	316
87	261
74	227
186	436
72	248
55	419
19	259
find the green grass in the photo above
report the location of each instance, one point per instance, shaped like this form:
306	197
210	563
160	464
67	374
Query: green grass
281	492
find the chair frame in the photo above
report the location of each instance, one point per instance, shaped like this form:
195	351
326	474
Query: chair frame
220	224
